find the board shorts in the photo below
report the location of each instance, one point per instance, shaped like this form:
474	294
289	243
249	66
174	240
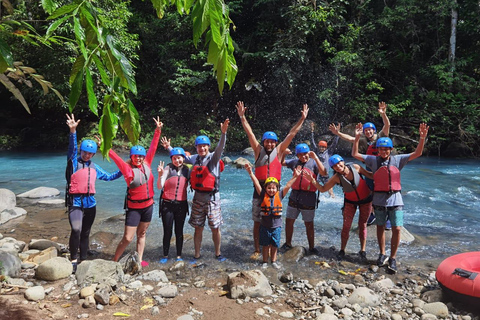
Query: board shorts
201	211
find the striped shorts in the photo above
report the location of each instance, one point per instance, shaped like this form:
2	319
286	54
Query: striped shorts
203	210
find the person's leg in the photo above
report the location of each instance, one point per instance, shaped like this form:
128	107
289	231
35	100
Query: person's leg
349	210
197	241
179	218
265	253
395	242
289	225
167	221
330	192
365	210
256	235
217	238
141	237
87	222
310	234
256	202
396	218
273	253
381	218
197	220
128	235
75	217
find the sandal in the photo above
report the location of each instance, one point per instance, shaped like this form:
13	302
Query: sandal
163	260
220	258
144	264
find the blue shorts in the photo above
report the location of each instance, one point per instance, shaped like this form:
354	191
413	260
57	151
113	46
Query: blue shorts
270	236
395	214
135	216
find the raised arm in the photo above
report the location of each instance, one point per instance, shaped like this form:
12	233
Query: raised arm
72	141
335	129
329	185
423	130
312	138
382	109
285	143
217	154
358	133
321	168
255	181
296	173
154	144
248	130
363	171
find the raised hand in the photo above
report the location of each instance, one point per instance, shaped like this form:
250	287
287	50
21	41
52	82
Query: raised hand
160	167
99	139
382	108
224	126
240	109
312	154
165	142
305	111
71	123
248	167
158	123
335	129
297	172
423	130
358	129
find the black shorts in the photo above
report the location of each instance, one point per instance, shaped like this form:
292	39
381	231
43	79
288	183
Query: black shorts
135	216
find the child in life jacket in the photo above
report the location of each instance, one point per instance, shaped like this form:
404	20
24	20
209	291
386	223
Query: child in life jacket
173	178
356	194
271	214
387	197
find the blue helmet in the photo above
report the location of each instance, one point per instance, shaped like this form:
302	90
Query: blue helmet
88	146
369	125
333	160
302	148
202	140
384	142
138	150
177	152
269	135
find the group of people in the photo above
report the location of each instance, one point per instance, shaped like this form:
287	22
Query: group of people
373	190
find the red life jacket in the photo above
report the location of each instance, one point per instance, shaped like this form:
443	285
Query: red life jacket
82	181
387	178
202	179
356	191
303	184
271	205
141	187
175	187
268	165
372	148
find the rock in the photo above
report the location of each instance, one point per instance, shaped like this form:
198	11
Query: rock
137	284
428	316
294	254
186	317
386	283
178	265
87	291
340	302
154	275
227	160
131	263
286	277
98	270
248	151
35	293
54	269
241	162
286	315
40	192
169	291
16	281
43	256
11	265
42	244
364	297
346	312
7	200
327	316
396	316
438	309
328	310
52	202
260	312
252	283
433	296
102	296
9	214
89	302
406	236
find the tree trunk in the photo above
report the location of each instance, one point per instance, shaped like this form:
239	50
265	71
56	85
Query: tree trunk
453	35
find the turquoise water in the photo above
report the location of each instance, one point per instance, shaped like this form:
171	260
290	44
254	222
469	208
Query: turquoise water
442	201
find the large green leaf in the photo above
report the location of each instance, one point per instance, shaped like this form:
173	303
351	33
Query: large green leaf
125	65
107	127
159	6
63	10
129	121
49	6
200	19
77	67
55	25
76	90
92	99
6	59
101	69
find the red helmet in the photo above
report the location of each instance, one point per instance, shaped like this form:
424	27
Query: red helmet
322	143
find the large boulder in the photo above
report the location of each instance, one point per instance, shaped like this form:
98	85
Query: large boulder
295	254
240	162
54	269
98	270
40	192
7	199
251	283
42	244
10	264
248	151
9	214
12	245
365	297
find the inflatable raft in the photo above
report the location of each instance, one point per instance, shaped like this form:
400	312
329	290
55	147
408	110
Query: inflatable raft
459	277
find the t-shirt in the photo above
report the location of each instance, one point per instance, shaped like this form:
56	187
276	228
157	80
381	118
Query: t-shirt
382	198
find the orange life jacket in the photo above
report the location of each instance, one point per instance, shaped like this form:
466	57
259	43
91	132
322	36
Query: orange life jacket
271	205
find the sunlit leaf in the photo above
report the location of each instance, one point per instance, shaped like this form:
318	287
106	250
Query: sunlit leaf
125	65
58	94
49	6
107	127
159	6
63	10
55	25
92	99
101	70
11	87
6	59
200	19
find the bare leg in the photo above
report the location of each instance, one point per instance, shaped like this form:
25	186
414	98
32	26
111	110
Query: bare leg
217	238
289	230
395	241
310	234
141	237
330	192
381	238
128	235
273	253
265	253
256	235
197	240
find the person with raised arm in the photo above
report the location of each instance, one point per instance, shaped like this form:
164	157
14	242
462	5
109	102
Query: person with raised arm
387	198
268	154
137	171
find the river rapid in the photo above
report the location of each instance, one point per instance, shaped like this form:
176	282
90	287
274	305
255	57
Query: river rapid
442	201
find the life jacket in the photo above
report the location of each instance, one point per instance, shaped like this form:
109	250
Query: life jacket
356	191
202	179
372	148
387	178
140	188
82	181
268	165
271	205
175	187
303	184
